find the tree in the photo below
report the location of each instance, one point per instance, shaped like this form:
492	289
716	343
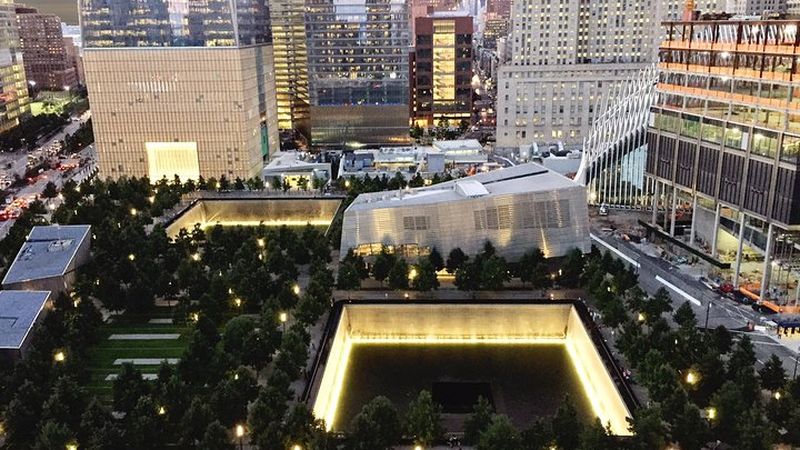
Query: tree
478	421
425	278
468	277
398	276
50	190
500	434
493	273
436	259
566	426
216	438
648	429
53	435
572	268
533	269
721	339
597	437
423	419
302	183
348	277
383	263
684	316
773	376
376	426
276	183
455	260
659	304
235	333
128	388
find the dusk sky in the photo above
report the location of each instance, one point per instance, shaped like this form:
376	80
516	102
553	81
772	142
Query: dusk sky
67	9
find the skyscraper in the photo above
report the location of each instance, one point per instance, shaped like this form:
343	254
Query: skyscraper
291	64
442	69
180	87
358	71
44	53
14	101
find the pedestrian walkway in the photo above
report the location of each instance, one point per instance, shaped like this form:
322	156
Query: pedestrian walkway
160	321
144	337
145	376
145	361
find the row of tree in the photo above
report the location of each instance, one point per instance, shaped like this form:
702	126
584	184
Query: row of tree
486	270
702	386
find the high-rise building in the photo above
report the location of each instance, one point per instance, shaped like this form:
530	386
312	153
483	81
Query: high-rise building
358	72
74	58
14	100
291	64
47	65
724	143
442	70
567	57
180	87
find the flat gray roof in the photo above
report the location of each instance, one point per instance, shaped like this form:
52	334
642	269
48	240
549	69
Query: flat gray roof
46	253
18	312
523	178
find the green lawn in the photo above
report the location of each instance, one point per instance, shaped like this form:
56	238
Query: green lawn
102	355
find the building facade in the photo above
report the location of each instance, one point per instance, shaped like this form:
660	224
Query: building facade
75	58
47	63
14	100
516	208
291	64
442	70
724	143
180	88
567	58
358	72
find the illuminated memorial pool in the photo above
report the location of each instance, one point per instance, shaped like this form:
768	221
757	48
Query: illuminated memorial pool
525	358
251	209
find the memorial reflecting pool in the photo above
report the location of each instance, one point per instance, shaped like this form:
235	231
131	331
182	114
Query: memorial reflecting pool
524	381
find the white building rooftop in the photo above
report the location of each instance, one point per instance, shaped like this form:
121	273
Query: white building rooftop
47	252
18	312
529	177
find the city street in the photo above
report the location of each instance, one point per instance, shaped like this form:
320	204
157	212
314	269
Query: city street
31	191
723	311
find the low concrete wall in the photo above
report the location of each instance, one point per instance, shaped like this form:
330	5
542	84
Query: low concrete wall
454	323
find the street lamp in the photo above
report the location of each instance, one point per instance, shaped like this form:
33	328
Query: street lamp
412	274
196	256
261	242
777	395
131	257
296	289
297	447
711	413
641	317
240	434
691	378
161	410
417	447
283	317
708	310
134	212
238	302
71	446
195	317
59	356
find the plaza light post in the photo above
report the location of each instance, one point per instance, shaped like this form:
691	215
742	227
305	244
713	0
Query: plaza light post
283	317
240	435
708	310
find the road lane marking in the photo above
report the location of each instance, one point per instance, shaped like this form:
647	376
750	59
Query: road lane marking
680	292
614	250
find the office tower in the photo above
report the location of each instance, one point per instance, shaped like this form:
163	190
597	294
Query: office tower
14	101
47	65
180	87
291	64
75	59
442	70
358	72
494	27
724	141
564	59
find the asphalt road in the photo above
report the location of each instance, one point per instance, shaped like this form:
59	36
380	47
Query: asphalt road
723	311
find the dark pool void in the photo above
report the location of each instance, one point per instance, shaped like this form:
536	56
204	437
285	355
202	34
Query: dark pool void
525	381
